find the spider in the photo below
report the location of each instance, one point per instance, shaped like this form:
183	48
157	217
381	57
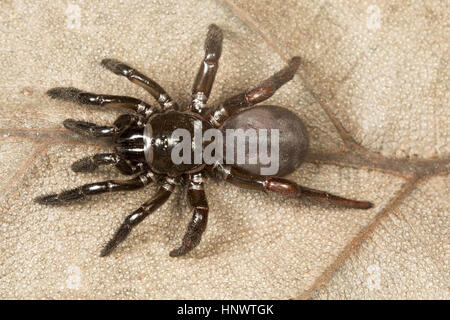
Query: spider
142	144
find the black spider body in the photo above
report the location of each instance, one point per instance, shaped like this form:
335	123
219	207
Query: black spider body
158	132
151	143
144	144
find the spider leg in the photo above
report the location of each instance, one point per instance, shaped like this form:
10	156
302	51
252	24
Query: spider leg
91	163
89	129
141	80
197	225
208	68
263	91
284	187
137	217
86	98
97	188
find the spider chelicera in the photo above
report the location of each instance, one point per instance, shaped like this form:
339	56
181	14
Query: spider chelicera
142	144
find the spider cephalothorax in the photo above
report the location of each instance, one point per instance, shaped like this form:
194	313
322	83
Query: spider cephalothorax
143	143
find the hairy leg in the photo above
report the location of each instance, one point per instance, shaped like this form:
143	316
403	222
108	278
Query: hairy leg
284	187
197	225
263	91
86	98
89	129
141	80
208	68
83	191
91	163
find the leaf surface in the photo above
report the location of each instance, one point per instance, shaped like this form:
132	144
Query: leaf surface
372	90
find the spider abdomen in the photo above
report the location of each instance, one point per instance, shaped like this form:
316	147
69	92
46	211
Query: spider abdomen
293	139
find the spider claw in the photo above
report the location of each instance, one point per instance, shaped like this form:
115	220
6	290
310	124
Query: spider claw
181	251
190	241
70	124
118	237
116	67
69	94
364	205
106	252
214	40
60	198
80	127
84	165
177	252
295	62
47	199
89	129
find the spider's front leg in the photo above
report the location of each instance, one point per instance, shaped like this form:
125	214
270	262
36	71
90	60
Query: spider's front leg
141	80
208	68
83	191
217	116
284	187
89	129
91	163
92	130
197	225
86	98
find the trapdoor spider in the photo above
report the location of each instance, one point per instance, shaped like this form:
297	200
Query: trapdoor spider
142	143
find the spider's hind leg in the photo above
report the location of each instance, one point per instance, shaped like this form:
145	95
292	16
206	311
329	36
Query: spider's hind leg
284	187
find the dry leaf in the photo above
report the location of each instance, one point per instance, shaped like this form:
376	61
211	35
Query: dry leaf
373	92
